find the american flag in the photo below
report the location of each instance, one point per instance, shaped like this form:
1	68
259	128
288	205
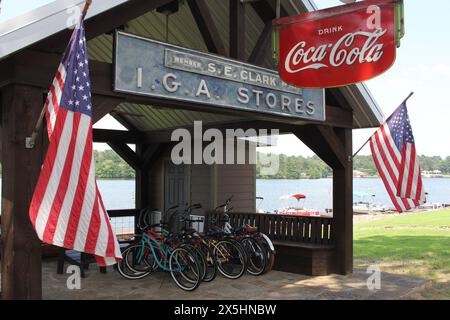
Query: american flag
67	209
394	153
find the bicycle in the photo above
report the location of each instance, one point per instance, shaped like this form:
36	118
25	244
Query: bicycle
223	255
160	251
259	248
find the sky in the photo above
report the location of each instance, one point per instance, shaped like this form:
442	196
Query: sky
421	66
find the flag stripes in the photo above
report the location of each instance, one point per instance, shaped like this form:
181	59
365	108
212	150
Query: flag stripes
394	154
67	209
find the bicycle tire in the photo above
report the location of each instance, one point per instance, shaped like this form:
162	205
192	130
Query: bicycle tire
201	258
124	268
229	255
177	257
211	262
270	255
257	256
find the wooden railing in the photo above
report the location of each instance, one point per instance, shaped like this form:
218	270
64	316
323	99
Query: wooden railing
128	235
123	213
311	230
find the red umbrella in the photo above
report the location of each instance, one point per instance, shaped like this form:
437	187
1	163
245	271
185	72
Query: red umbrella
298	196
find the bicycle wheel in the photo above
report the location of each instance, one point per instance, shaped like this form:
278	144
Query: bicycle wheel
184	269
270	250
200	257
231	258
270	261
257	256
211	263
128	267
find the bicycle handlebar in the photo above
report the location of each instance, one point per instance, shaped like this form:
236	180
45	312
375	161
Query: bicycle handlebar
195	206
191	220
227	202
174	207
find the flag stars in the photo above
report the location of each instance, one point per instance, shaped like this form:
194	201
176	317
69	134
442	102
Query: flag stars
77	96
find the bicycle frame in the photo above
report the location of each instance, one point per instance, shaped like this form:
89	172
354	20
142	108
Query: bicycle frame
162	259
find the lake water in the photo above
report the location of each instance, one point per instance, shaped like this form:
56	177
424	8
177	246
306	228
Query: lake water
119	194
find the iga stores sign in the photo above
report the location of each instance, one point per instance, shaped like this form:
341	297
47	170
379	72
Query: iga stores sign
339	46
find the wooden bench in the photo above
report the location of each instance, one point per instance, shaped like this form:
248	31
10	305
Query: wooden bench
304	258
303	245
80	259
76	258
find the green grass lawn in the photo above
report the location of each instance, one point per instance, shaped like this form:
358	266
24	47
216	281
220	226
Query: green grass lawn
416	245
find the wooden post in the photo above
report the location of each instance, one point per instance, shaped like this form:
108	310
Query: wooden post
237	30
343	207
21	249
142	182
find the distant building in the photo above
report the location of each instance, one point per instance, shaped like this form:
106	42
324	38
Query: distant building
359	174
432	174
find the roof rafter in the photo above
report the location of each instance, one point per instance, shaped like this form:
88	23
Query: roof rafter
207	27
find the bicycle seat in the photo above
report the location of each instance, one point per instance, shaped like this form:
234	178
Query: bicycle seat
189	231
250	229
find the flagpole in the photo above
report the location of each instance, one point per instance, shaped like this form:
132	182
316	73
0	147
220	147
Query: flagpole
87	5
365	143
31	141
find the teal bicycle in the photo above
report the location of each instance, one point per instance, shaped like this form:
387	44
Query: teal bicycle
160	251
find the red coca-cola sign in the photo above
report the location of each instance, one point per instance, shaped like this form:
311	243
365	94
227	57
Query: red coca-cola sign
339	46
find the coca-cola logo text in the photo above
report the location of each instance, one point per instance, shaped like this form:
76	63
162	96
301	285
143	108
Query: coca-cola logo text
338	46
301	58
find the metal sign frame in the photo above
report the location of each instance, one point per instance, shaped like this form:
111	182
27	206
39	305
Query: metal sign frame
142	65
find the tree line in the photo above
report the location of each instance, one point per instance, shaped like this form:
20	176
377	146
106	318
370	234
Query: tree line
110	166
297	167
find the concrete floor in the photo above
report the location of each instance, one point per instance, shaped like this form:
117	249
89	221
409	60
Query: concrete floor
274	285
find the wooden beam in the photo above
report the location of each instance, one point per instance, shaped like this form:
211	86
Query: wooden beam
237	29
103	105
338	117
312	138
124	122
41	75
151	154
207	27
21	248
127	154
122	213
260	49
102	23
23	69
264	9
334	143
164	136
118	136
343	208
